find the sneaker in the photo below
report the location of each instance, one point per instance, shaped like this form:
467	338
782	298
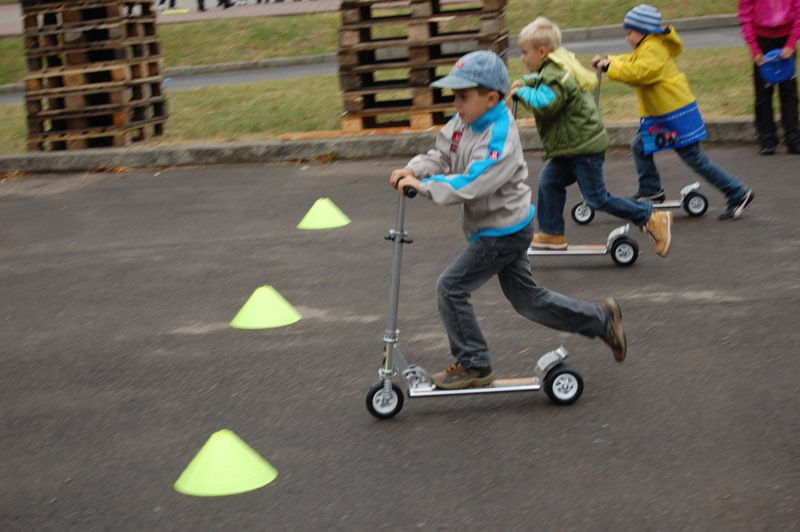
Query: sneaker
657	197
768	150
614	336
457	377
737	207
793	148
658	228
548	241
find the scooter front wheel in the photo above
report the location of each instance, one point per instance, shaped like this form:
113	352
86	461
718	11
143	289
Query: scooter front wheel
695	204
563	384
384	404
624	251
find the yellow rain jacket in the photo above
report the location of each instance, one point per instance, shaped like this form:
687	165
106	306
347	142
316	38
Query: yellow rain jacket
651	69
668	113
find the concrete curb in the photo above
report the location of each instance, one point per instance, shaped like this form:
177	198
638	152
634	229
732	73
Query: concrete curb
345	147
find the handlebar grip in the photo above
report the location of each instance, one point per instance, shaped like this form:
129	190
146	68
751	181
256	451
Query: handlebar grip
409	191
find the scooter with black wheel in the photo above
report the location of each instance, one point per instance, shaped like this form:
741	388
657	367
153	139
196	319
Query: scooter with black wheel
560	381
694	203
624	250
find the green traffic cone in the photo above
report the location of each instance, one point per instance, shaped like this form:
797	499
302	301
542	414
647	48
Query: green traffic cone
324	214
225	465
266	309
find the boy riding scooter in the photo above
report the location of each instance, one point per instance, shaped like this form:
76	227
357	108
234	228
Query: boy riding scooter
478	164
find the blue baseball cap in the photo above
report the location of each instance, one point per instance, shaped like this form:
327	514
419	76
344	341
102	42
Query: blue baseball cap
476	69
776	70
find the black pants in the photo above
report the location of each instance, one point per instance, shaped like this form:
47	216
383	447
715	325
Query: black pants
787	92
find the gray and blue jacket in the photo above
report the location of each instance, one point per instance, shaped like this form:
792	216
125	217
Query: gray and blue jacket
481	168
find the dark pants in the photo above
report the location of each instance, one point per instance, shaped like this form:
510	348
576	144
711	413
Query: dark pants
507	258
787	92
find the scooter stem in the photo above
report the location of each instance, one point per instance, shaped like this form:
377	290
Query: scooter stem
396	235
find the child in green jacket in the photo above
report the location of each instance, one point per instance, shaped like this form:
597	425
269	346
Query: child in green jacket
575	141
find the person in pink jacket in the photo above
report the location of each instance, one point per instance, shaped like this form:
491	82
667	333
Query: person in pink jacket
772	25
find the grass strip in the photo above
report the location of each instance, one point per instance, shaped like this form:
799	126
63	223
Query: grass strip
720	79
257	38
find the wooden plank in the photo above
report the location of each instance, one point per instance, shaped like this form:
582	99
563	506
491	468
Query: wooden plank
77	76
409	120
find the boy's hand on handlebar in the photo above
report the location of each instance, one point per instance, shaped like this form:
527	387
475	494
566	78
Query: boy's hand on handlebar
406	175
600	63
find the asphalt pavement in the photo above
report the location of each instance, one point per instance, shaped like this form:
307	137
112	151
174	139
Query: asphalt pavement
119	362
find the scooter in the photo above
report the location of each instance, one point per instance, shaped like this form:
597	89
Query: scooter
561	382
623	249
694	203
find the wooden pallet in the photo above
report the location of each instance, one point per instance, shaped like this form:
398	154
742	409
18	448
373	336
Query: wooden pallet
113	115
97	138
421	30
356	12
95	73
99	96
81	41
138	49
391	56
66	77
392	95
72	12
391	51
365	78
404	118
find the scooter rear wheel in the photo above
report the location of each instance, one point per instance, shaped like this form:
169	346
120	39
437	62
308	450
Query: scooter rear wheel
563	384
582	213
383	404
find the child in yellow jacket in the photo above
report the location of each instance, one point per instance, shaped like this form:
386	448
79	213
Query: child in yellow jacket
669	116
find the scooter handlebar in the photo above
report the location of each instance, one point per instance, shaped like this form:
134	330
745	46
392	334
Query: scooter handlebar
409	191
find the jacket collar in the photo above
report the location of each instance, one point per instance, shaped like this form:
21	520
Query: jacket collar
489	117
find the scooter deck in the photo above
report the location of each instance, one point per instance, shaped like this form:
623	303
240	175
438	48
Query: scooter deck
579	249
520	384
669	204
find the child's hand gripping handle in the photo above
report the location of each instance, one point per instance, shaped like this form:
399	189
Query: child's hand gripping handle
397	177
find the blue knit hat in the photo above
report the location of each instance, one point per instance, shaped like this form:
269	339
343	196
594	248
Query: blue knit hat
645	19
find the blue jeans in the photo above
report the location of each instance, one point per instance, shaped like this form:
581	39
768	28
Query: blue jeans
587	171
650	180
506	257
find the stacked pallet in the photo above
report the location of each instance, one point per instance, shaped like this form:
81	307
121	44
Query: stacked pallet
94	73
390	51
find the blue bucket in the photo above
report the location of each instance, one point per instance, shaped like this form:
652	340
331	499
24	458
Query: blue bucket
776	70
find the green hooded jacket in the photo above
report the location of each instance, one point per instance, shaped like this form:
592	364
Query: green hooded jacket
567	118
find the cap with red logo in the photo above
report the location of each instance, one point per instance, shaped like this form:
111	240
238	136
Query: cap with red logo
482	68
